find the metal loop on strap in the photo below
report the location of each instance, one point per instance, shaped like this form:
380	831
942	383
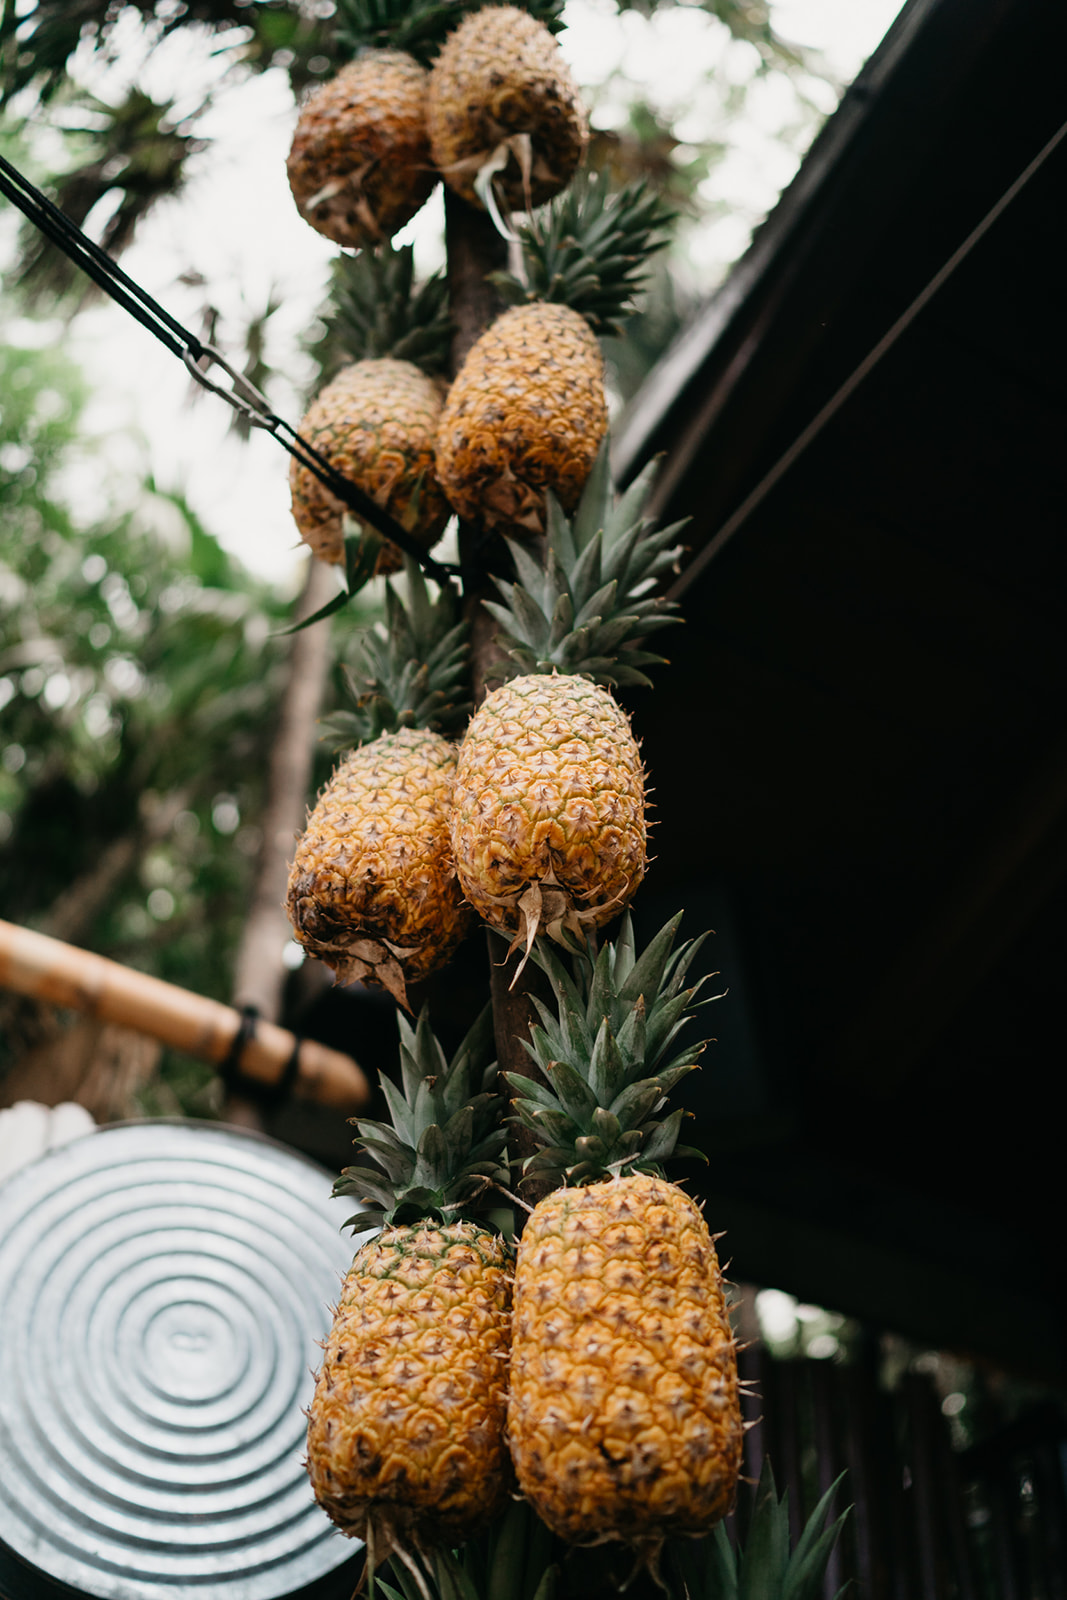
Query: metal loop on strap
243	396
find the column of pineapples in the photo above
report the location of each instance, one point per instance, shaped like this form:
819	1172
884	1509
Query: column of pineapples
591	1368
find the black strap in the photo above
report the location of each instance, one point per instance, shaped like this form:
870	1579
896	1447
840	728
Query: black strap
238	1082
199	357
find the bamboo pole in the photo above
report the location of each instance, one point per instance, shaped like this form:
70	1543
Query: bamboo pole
64	975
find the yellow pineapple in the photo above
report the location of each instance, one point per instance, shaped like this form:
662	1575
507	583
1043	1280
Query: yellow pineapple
372	889
385	346
623	1415
375	423
548	808
405	1444
502	103
548	813
359	165
527	412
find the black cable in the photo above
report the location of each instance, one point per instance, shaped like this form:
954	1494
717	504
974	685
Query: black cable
109	276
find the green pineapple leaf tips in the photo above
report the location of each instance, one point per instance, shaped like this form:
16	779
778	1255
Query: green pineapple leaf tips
766	1569
589	249
610	1054
440	1155
376	309
411	672
417	26
590	605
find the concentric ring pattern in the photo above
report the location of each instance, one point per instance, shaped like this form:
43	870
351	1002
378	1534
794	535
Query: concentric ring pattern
163	1288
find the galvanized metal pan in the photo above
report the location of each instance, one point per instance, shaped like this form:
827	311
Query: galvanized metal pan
163	1288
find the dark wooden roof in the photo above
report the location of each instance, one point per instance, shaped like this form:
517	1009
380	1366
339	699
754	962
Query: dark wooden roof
859	751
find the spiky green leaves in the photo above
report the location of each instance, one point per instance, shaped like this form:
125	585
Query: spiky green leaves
610	1053
411	673
765	1569
589	250
375	308
509	1560
588	607
417	26
439	1154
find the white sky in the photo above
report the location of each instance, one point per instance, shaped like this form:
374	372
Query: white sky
236	225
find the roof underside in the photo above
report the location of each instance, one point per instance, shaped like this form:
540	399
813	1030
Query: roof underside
859	750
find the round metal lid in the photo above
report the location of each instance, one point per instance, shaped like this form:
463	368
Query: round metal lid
163	1288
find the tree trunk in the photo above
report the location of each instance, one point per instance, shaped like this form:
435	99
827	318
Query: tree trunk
259	971
259	968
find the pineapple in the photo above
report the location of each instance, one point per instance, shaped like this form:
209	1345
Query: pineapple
548	815
359	165
527	412
548	826
503	110
372	889
405	1442
377	419
623	1415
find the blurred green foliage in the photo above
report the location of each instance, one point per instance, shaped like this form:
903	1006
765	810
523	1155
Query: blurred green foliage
140	669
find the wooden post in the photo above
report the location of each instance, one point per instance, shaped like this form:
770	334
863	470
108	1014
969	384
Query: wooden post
475	248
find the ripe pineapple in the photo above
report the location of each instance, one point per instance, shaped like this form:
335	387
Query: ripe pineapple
377	420
359	165
405	1444
527	412
548	825
623	1416
548	817
504	108
372	889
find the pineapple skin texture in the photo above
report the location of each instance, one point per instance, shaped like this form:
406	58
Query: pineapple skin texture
549	792
623	1418
406	1426
359	165
501	73
526	413
373	871
376	422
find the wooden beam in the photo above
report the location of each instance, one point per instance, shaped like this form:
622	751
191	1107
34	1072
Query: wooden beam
64	975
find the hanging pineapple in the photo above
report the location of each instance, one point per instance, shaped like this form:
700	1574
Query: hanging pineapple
505	120
528	412
372	890
360	165
548	811
376	420
623	1414
405	1443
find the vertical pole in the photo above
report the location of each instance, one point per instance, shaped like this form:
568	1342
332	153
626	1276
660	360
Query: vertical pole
475	249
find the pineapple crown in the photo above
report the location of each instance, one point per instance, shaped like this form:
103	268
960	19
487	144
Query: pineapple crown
411	672
441	1152
765	1568
511	1559
417	26
375	309
587	607
589	249
610	1055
